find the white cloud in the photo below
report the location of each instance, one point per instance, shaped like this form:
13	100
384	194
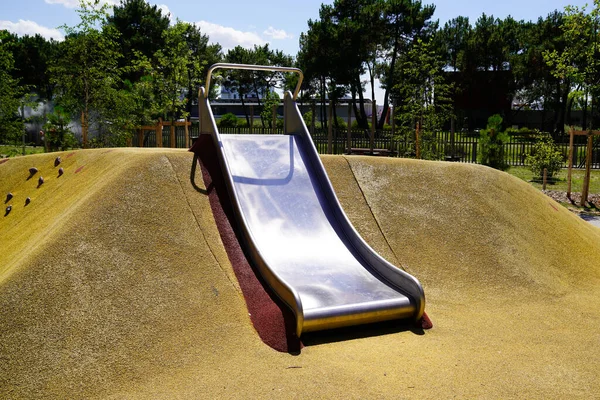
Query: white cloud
277	34
229	37
164	9
66	3
75	3
23	27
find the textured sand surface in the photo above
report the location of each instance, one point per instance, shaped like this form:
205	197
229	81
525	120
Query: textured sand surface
114	284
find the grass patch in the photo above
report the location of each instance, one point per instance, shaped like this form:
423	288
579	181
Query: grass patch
11	151
560	180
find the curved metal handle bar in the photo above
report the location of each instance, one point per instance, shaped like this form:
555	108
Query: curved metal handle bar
250	67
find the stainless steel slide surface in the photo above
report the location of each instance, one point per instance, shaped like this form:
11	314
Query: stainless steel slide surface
297	234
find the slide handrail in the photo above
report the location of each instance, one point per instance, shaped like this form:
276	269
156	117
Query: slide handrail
249	67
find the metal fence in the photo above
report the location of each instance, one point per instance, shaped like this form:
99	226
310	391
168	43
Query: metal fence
463	148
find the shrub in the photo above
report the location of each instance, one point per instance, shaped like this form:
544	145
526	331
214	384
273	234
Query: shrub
356	126
308	120
491	144
228	120
58	135
545	154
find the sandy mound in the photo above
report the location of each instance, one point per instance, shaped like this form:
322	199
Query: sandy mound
114	283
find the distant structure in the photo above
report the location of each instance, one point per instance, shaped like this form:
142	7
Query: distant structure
228	93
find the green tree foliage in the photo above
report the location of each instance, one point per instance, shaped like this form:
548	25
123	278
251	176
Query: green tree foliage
403	23
422	96
228	120
578	63
271	100
200	57
537	87
58	136
338	48
545	155
453	40
172	61
32	56
141	29
11	125
254	84
491	144
87	76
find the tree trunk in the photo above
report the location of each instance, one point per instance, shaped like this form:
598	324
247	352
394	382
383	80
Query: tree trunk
323	105
390	84
245	111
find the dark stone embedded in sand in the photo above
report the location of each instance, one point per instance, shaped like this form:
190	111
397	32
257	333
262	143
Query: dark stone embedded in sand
27	201
57	161
61	171
8	209
40	181
8	197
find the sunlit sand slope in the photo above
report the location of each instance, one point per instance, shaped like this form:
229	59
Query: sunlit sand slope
114	284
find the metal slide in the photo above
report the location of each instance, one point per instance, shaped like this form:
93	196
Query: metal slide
296	232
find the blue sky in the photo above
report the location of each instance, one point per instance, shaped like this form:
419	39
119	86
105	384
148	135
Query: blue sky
244	22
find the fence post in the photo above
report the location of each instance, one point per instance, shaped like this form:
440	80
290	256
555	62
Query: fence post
452	139
141	137
173	139
588	167
373	123
393	121
330	129
570	167
159	126
349	128
187	133
251	118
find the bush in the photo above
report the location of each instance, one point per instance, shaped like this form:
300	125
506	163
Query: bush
228	120
356	126
491	144
545	154
308	120
58	136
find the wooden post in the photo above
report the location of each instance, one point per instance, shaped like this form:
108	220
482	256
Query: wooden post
173	138
187	133
251	118
159	126
274	113
452	139
330	129
141	137
349	128
545	179
588	167
373	124
393	122
417	145
570	167
84	131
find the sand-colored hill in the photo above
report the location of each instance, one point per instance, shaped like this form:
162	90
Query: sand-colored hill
114	284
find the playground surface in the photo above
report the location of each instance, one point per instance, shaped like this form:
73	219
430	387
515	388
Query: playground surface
114	283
